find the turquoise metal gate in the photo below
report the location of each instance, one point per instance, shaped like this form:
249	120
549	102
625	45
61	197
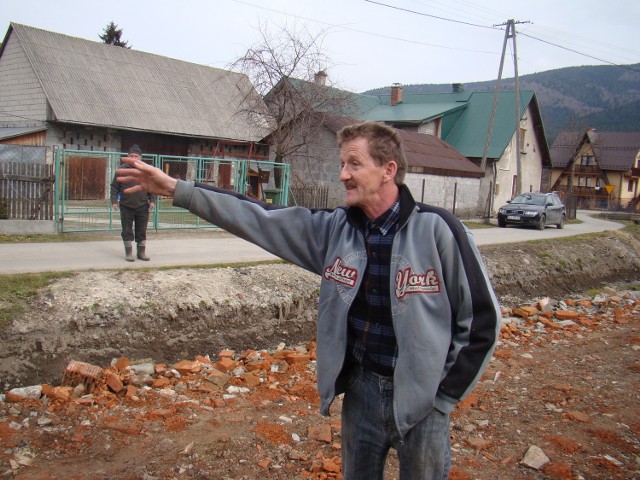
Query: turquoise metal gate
83	179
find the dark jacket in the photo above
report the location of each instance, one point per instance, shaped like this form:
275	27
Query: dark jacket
130	200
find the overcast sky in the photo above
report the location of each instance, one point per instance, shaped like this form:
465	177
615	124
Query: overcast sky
369	43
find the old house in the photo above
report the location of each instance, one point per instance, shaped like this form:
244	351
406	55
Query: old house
462	118
72	93
437	174
459	119
600	170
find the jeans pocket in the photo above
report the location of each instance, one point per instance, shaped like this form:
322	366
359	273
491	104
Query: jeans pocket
354	376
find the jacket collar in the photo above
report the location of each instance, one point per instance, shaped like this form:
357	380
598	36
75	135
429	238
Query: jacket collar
357	218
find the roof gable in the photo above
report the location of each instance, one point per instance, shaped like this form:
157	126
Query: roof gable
612	150
93	83
468	135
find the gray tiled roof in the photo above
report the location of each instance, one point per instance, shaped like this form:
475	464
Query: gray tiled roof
89	82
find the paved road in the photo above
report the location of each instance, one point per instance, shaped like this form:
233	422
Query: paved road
590	224
216	248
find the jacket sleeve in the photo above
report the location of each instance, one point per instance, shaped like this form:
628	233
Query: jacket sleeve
476	320
296	234
115	189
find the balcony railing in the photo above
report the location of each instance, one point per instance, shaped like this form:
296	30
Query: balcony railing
594	169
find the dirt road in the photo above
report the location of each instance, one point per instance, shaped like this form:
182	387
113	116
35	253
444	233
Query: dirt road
173	403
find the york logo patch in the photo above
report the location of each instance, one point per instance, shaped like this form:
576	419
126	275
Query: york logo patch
341	273
408	282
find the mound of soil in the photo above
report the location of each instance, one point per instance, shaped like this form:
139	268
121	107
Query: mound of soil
563	382
167	315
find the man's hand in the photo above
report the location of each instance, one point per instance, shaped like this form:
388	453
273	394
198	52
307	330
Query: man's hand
147	178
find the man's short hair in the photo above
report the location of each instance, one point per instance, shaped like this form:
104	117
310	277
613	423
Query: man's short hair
384	144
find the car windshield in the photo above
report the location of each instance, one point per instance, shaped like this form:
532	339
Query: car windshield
530	199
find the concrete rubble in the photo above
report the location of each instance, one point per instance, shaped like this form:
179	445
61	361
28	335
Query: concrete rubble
185	416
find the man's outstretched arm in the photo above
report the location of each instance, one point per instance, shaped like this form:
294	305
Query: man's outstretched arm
145	177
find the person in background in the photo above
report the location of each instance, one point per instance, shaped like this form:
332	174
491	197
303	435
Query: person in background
407	317
134	211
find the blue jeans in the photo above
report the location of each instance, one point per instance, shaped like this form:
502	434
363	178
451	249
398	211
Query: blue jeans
369	430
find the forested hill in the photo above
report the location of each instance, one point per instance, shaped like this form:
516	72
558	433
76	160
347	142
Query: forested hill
606	98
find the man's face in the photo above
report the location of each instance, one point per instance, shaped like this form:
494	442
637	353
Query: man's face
361	176
134	156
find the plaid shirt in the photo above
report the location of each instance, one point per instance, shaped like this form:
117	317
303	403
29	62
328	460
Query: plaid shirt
372	341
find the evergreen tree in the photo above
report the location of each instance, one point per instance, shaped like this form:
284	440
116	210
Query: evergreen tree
112	36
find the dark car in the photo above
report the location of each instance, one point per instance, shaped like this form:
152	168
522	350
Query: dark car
533	209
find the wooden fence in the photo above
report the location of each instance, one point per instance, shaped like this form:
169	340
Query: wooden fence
26	191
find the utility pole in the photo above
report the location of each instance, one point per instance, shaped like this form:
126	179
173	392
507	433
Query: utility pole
510	32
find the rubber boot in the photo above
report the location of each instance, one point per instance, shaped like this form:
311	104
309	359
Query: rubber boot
128	250
141	254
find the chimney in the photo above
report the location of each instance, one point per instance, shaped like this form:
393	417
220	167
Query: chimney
320	78
457	87
396	94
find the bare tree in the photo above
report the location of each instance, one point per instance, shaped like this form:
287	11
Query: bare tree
287	67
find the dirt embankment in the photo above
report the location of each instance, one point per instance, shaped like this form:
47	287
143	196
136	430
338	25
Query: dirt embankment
173	314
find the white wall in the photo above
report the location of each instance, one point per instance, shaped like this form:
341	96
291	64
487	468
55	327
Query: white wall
456	194
530	162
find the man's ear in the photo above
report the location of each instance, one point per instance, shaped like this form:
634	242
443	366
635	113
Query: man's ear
390	170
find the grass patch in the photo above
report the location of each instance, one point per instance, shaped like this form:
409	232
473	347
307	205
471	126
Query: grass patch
51	237
17	290
632	228
474	225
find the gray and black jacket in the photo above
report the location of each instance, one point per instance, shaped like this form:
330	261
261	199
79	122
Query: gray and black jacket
445	314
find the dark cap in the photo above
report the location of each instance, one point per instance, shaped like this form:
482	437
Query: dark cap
136	149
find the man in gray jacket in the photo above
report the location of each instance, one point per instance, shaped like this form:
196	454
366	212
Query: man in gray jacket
407	317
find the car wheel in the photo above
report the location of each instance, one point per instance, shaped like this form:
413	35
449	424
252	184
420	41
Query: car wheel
561	224
542	223
502	223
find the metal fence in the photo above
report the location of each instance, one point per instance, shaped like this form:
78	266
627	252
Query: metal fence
84	179
22	154
310	197
26	191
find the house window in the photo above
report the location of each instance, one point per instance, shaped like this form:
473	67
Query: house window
631	185
598	183
581	181
588	160
589	181
523	132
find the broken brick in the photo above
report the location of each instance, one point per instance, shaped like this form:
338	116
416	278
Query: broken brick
320	433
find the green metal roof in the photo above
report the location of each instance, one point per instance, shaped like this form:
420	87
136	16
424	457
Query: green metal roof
415	108
410	112
465	115
468	134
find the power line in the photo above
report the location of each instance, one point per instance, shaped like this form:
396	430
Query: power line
579	53
415	42
494	26
18	116
427	15
379	35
